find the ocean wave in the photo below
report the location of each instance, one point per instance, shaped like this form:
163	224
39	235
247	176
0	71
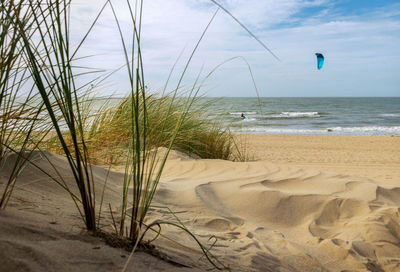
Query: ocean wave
284	114
390	114
356	131
264	130
244	112
297	114
393	129
249	119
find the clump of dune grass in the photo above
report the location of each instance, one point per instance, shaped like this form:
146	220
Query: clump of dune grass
19	106
109	132
55	83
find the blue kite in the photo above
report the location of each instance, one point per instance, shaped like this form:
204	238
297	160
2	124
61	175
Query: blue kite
320	60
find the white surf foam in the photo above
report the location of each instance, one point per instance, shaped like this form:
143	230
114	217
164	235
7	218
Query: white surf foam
377	129
356	131
244	112
390	114
297	114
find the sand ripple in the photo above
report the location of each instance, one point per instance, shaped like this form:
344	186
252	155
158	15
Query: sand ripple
269	216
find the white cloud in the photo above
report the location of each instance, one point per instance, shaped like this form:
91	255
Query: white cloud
360	50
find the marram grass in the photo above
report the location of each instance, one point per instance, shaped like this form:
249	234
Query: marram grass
35	44
108	132
19	104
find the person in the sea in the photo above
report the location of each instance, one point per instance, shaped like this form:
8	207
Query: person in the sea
243	116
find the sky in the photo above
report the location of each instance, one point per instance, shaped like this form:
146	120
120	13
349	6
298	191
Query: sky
359	38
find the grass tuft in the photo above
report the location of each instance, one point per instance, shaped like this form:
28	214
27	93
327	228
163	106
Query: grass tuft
109	131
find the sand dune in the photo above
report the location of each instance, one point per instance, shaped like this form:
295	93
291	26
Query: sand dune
296	219
41	229
261	216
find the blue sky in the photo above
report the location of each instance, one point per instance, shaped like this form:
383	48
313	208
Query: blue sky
359	38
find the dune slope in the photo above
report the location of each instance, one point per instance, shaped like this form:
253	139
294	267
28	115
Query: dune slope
41	229
256	216
269	215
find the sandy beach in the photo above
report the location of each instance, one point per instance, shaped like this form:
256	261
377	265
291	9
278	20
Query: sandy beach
373	157
307	203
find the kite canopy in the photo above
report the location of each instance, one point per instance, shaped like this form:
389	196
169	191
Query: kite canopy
320	60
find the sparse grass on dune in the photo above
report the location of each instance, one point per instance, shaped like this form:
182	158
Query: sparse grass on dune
49	59
19	105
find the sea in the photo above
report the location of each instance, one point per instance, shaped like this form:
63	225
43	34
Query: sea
366	116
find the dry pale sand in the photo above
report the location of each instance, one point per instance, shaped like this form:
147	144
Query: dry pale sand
311	203
375	157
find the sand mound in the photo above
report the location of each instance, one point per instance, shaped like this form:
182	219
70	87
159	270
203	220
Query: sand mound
260	217
269	216
41	229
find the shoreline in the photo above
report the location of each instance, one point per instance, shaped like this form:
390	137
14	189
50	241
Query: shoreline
326	133
330	135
